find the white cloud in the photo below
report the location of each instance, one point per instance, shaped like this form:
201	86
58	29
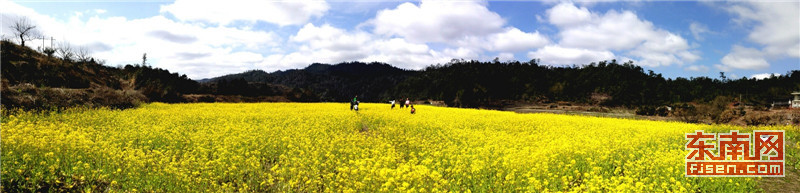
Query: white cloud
614	30
193	49
743	58
202	44
697	68
225	12
444	22
698	29
330	38
203	51
505	56
404	54
11	12
328	44
438	21
461	53
763	75
567	15
580	29
513	40
664	51
567	56
776	25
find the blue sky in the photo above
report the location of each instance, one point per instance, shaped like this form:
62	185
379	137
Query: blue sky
205	39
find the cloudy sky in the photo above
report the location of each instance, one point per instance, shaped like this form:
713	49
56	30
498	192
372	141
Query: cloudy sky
205	39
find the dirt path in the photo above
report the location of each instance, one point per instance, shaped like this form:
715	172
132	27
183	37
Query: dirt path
580	110
790	182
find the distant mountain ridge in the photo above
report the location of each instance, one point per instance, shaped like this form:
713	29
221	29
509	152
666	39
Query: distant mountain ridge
348	69
339	82
470	83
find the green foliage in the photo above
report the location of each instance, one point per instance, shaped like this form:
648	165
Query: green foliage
473	83
464	83
318	82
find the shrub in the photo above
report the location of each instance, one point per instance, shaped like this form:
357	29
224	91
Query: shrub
116	99
646	110
757	119
727	116
599	109
716	107
662	111
28	97
687	113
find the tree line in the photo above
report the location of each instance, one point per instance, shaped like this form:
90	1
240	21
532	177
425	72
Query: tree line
472	83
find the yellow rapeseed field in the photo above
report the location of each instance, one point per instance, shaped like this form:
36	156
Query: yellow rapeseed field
325	147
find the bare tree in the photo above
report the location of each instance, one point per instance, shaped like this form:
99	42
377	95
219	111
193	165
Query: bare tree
24	29
49	51
65	51
82	54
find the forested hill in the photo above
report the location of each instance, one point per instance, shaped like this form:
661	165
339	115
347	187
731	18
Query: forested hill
469	83
370	81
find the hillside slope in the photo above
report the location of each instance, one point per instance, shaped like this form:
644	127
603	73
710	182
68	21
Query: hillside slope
463	83
33	80
339	82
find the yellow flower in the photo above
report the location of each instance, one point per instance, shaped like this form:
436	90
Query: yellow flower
324	147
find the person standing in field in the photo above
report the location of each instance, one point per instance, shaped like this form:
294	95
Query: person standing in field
392	101
353	102
413	110
408	102
401	103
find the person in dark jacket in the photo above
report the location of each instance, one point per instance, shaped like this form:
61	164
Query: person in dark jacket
353	102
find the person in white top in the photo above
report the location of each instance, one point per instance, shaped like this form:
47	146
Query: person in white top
392	101
408	103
